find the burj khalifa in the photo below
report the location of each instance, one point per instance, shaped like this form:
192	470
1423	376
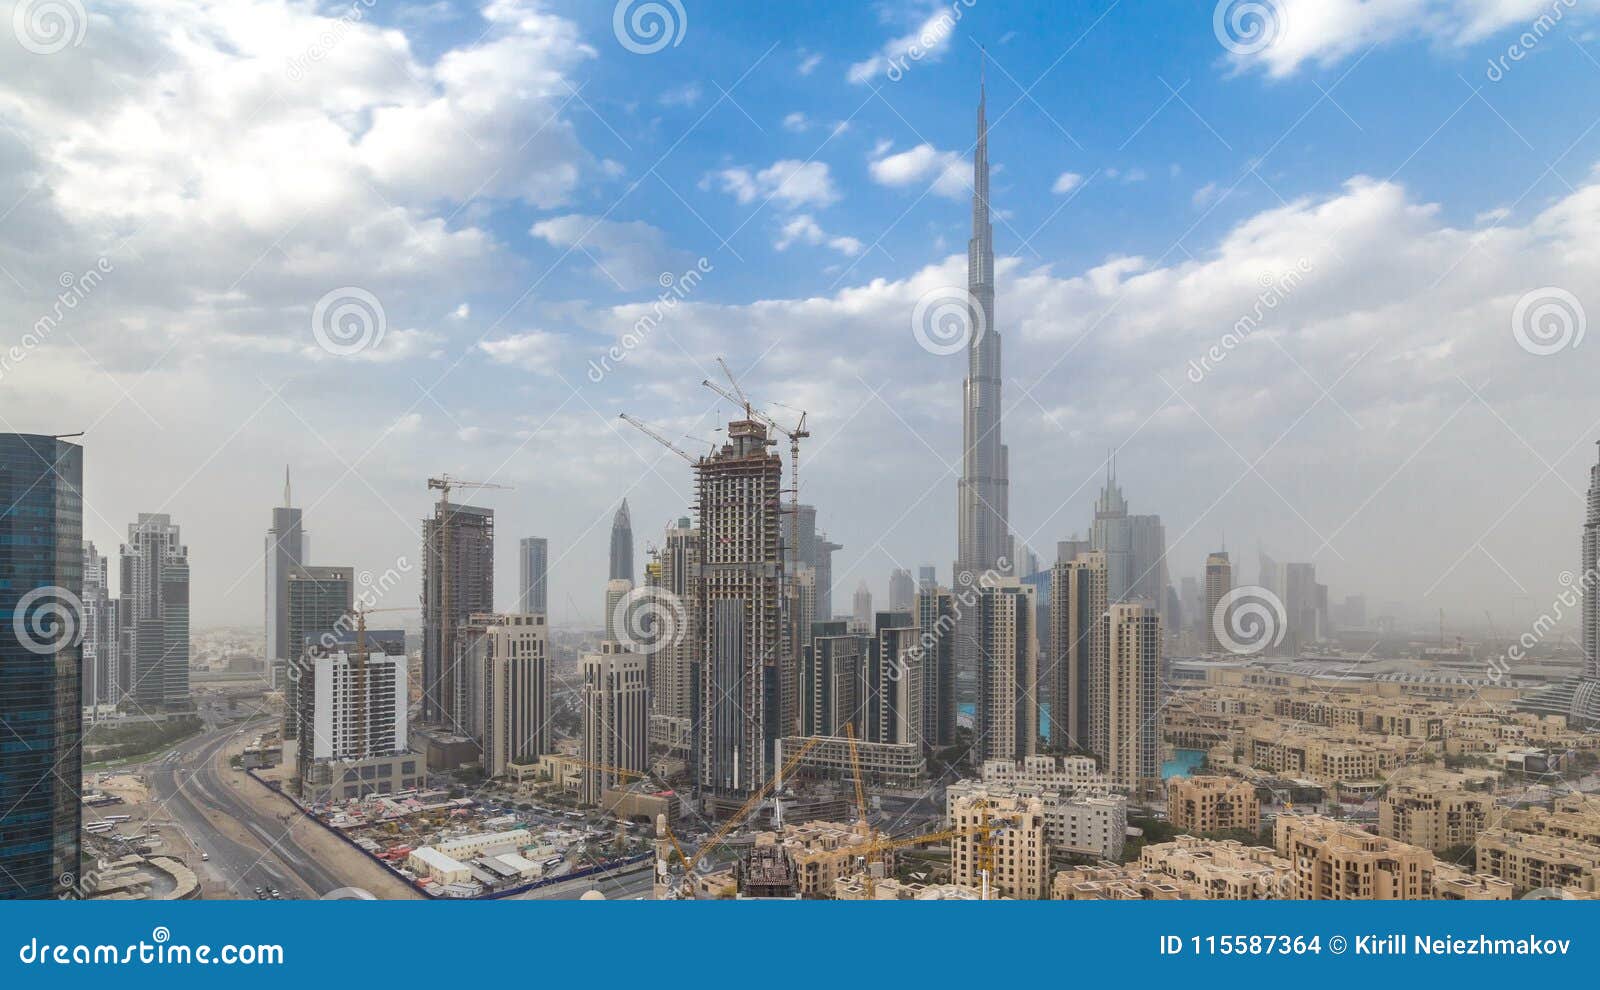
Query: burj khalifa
983	538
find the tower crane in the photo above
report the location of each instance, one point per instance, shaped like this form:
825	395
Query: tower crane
795	435
443	484
640	425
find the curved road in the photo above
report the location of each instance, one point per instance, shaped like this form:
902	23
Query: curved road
188	777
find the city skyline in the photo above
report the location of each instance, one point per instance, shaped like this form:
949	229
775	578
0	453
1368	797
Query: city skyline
697	520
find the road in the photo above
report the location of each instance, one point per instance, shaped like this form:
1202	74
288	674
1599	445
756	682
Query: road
189	778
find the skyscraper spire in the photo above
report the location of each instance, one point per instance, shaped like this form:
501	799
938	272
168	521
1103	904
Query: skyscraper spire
983	538
286	502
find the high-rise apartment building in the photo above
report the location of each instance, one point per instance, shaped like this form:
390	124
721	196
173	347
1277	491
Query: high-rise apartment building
41	680
533	573
1132	756
622	545
1219	581
833	677
285	550
101	673
901	590
450	595
1079	640
618	592
318	602
675	661
861	610
154	613
805	546
936	638
1008	700
737	493
615	718
1112	535
515	699
898	670
353	737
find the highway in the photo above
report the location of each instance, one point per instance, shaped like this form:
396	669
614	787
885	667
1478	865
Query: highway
189	777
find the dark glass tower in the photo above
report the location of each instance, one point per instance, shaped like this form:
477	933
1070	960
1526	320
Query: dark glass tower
41	581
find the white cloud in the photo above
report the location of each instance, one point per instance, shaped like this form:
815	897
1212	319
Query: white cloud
1327	31
686	95
808	63
804	229
538	351
791	182
947	171
1066	182
796	122
928	41
630	254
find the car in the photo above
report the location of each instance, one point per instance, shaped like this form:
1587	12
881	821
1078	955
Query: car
205	857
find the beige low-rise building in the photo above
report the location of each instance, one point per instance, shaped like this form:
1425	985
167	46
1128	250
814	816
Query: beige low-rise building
1535	862
1220	870
1018	846
1433	811
1452	884
825	852
1338	861
1213	804
1112	883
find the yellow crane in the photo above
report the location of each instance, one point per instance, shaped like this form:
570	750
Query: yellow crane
861	804
443	485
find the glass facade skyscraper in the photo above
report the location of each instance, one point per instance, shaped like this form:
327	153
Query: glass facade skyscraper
41	583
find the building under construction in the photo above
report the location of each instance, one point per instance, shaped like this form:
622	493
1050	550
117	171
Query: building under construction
738	494
451	594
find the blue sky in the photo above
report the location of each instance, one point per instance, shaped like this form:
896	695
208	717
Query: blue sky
510	183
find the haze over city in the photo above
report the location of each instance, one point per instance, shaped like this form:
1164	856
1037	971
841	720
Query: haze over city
512	186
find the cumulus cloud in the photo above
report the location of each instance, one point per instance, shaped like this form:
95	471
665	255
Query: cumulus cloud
537	351
1293	32
936	25
947	173
804	229
789	181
